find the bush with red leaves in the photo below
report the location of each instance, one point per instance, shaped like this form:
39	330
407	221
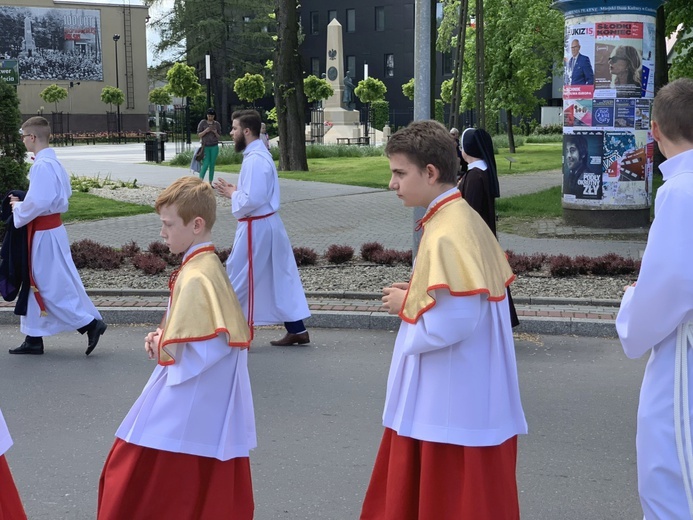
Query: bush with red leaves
368	249
149	263
130	249
223	254
305	256
89	254
339	254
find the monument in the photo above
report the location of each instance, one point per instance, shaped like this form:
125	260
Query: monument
334	109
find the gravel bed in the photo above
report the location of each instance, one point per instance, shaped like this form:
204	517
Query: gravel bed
350	277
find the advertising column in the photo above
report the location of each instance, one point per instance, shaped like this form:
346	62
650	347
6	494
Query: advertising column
607	97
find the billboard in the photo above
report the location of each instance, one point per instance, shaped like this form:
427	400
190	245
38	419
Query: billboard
53	43
9	72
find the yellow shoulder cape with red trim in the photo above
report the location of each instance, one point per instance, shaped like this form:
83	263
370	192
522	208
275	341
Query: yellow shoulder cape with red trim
203	305
457	252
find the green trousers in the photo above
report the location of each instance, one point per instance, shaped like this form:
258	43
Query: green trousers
209	161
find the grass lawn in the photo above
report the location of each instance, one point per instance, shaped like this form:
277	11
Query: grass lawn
84	206
374	172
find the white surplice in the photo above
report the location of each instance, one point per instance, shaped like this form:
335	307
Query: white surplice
278	292
200	405
647	322
53	269
453	376
5	439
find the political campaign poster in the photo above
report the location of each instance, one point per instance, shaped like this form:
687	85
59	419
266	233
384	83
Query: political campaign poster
618	69
578	80
53	43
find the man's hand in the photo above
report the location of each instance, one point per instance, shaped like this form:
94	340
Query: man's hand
13	200
393	297
151	343
225	189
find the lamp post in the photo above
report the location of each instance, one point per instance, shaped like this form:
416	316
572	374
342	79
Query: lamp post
116	37
208	75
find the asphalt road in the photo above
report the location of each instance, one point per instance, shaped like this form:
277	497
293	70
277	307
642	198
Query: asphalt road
318	417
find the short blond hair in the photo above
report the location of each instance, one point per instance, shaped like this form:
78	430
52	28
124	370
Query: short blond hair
192	197
38	126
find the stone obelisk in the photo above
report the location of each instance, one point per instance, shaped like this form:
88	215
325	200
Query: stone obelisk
333	106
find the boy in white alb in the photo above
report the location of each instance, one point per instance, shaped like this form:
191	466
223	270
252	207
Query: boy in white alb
10	504
58	301
656	316
452	409
182	450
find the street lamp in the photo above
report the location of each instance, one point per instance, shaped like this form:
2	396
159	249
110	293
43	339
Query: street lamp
116	37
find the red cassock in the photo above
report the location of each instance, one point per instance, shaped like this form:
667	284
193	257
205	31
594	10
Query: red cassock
140	483
449	482
10	504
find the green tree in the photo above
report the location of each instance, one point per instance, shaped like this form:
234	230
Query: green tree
408	89
289	97
182	81
112	96
53	94
250	87
160	96
369	90
317	89
12	151
679	16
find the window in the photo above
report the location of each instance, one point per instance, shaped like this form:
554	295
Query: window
379	18
351	66
315	67
351	20
389	65
331	15
447	63
314	22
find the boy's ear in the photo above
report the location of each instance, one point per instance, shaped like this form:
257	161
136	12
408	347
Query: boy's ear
198	224
656	132
432	173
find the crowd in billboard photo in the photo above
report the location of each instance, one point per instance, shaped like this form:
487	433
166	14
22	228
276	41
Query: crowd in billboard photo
53	43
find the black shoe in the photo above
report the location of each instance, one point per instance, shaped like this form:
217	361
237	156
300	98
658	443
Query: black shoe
94	335
28	348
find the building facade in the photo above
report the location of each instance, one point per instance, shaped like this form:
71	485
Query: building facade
379	34
81	46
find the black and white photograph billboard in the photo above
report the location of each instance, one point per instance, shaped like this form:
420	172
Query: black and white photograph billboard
52	43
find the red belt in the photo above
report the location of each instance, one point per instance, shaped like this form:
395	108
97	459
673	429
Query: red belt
41	223
251	281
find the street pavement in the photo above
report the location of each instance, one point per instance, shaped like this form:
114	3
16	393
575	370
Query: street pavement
318	410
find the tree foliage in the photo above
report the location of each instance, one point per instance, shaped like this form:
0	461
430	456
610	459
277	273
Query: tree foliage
12	151
182	81
370	89
112	96
408	89
317	89
249	87
160	96
679	16
53	94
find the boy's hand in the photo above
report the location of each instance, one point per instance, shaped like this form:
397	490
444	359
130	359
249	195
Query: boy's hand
393	297
225	189
151	343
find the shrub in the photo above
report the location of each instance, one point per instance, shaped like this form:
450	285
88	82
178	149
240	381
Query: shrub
161	250
548	130
305	256
339	254
602	265
380	111
149	263
562	265
406	257
583	264
368	249
89	254
223	254
386	257
130	249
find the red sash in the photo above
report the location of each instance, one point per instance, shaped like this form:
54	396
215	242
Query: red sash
41	223
251	282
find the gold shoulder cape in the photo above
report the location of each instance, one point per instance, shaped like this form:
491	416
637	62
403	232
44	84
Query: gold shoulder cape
203	305
457	252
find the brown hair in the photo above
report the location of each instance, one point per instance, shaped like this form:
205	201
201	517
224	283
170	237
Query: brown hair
427	142
193	197
672	110
249	119
38	126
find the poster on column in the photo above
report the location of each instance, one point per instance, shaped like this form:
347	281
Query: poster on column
578	80
582	166
628	166
618	57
